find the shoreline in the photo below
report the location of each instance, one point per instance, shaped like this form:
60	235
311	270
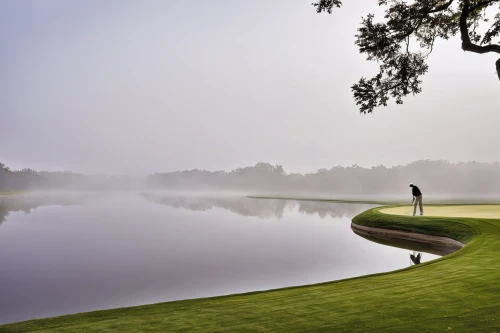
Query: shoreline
444	245
335	306
411	236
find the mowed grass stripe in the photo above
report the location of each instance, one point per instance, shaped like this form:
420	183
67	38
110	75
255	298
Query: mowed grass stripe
477	211
458	293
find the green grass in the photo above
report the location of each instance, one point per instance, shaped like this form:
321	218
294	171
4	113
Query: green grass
4	193
460	229
457	293
480	210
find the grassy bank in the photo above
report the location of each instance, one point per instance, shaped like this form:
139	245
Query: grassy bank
458	293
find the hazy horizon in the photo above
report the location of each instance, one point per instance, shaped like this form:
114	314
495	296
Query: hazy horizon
286	170
127	87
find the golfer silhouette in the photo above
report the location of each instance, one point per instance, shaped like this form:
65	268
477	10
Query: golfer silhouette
417	198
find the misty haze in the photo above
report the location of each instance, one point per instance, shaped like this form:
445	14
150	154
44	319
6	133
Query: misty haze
227	166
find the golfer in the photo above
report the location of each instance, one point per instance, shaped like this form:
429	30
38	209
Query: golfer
417	198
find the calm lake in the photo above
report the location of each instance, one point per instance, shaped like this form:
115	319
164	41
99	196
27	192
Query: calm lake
75	252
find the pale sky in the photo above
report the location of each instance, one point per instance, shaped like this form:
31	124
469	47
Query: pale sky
139	87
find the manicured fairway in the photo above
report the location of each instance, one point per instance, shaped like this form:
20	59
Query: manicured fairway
457	293
479	211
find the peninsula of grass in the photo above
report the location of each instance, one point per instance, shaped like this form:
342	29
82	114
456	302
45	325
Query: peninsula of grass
6	193
330	200
456	293
360	200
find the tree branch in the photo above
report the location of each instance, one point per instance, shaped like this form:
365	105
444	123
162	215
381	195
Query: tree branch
467	45
425	12
482	4
443	7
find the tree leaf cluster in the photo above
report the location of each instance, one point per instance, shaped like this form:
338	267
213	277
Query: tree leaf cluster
402	42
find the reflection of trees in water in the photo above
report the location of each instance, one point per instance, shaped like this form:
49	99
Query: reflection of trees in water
263	208
337	210
3	212
26	203
239	205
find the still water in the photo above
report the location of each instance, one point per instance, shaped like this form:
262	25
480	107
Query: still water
68	253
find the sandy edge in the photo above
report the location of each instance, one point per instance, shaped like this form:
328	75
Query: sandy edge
412	236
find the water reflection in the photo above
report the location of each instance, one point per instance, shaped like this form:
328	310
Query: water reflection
262	208
117	249
275	208
28	202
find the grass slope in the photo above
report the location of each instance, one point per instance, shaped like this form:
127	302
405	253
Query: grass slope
459	292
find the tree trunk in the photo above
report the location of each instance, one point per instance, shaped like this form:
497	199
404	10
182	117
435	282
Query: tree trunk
467	44
498	68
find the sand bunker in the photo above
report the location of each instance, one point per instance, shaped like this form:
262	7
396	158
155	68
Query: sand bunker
479	211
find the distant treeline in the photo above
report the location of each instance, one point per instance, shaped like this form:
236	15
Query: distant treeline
433	177
28	179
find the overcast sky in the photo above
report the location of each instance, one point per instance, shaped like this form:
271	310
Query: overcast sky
138	87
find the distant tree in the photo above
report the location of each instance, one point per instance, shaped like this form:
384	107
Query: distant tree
3	175
4	168
437	177
404	40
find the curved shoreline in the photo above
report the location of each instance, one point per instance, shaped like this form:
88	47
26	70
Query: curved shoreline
410	236
386	302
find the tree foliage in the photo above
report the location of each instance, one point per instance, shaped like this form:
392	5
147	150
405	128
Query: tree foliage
403	41
28	179
441	177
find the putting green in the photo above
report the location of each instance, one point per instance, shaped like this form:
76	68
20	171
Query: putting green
474	211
